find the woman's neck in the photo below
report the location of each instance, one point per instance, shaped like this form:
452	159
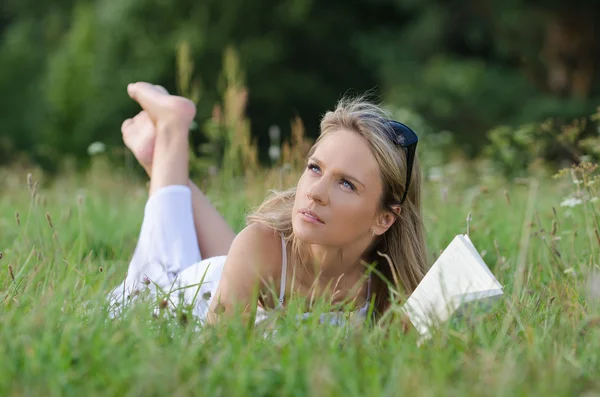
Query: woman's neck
337	271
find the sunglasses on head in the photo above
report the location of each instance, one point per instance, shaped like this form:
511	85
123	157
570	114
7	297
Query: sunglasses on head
402	135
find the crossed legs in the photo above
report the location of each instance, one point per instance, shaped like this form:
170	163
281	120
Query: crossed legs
164	156
168	243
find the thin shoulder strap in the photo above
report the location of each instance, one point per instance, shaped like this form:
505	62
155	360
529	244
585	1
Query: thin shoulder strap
283	270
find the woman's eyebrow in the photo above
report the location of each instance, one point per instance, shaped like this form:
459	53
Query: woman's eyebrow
342	174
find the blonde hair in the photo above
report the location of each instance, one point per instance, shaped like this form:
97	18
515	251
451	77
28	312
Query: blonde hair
400	253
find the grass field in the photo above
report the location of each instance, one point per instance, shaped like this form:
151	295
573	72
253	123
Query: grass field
65	244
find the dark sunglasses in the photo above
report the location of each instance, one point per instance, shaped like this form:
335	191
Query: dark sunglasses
402	135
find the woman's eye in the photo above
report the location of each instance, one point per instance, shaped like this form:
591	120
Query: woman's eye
314	168
348	184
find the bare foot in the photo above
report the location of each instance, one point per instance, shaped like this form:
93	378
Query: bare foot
139	135
171	116
164	110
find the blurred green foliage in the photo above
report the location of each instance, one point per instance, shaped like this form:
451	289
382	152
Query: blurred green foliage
464	67
514	150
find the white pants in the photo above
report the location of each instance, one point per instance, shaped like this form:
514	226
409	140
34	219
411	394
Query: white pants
167	263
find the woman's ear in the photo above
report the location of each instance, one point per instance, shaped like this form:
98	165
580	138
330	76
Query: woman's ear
397	209
387	218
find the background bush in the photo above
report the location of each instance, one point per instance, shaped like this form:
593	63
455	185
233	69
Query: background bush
466	68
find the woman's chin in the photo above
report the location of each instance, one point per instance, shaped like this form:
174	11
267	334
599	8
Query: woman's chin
307	235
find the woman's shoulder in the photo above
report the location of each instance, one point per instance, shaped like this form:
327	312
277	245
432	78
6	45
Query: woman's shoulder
262	233
253	260
259	244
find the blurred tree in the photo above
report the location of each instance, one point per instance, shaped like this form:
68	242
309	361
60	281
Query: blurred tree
464	66
77	57
471	65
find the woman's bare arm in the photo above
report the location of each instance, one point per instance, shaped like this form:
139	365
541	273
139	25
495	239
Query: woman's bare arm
253	265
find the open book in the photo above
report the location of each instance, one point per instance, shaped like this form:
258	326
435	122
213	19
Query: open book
457	279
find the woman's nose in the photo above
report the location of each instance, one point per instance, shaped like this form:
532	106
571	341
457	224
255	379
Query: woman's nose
318	193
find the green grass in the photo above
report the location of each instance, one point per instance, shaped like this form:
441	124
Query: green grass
56	337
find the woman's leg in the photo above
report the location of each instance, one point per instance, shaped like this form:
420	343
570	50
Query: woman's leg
139	135
167	244
172	117
215	239
168	241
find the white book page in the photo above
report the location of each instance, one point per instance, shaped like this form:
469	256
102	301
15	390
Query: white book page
457	276
469	245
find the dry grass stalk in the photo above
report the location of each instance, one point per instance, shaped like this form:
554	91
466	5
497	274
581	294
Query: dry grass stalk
507	197
11	273
49	219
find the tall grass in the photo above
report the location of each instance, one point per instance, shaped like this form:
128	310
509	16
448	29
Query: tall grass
65	244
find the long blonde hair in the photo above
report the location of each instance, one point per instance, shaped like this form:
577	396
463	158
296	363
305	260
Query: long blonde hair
400	253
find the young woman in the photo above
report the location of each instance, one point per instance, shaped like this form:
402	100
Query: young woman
357	203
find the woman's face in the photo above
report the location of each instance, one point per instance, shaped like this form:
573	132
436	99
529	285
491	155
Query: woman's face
337	198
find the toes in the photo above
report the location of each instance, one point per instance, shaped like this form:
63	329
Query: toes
161	89
147	96
140	117
126	124
162	107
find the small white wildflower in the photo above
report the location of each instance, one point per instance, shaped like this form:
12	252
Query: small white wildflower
569	270
435	174
274	132
593	199
571	202
96	148
577	181
274	152
590	183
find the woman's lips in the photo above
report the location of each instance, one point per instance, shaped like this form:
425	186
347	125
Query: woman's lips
310	216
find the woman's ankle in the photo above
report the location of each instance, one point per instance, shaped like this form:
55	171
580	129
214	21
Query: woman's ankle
170	163
148	169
